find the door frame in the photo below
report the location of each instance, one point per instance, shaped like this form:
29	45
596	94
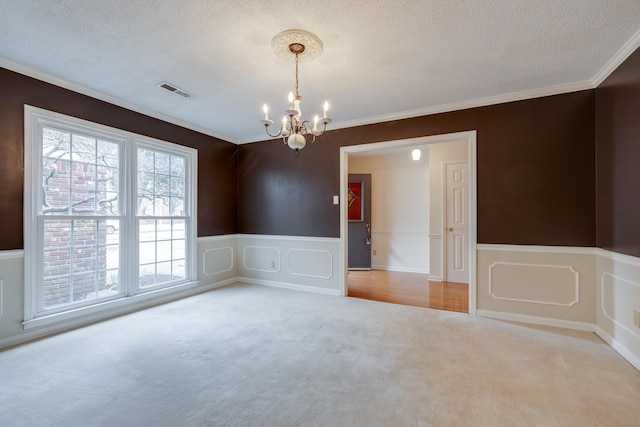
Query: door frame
470	138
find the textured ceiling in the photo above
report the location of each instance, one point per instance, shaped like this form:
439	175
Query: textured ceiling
382	59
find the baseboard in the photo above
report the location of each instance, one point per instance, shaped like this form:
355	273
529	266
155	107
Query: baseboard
292	286
66	325
536	320
399	269
436	279
619	347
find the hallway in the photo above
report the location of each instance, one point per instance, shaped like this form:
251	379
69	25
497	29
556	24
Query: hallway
408	289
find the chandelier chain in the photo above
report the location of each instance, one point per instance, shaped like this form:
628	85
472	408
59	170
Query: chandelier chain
297	94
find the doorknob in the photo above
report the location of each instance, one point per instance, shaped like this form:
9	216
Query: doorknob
450	228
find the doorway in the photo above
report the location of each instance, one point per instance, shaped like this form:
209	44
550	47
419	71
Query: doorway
359	217
469	206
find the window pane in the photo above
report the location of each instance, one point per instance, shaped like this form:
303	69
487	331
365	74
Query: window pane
163	163
147	229
83	149
76	257
145	160
163	250
147	252
164	229
108	154
177	166
178	228
178	249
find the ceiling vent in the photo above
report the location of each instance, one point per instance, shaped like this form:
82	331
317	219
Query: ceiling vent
174	89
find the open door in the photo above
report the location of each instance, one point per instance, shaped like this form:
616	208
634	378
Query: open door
359	214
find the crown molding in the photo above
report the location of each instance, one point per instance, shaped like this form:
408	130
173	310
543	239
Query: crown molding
455	106
57	81
625	51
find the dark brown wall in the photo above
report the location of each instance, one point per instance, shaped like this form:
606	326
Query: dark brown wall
536	173
618	159
217	159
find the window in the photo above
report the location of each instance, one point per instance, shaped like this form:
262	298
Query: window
109	216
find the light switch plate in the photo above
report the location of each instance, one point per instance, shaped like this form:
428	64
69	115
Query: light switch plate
336	200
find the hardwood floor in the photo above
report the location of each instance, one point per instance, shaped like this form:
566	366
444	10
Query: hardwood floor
408	289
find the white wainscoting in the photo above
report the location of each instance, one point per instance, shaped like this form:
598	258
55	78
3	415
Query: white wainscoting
309	263
436	257
400	251
217	259
618	295
534	283
538	284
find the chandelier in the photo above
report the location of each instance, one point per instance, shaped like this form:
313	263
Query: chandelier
297	46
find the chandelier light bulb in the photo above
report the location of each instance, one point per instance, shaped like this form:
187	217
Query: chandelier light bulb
265	109
326	108
290	100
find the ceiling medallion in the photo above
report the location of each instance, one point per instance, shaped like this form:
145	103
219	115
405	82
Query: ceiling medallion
311	45
296	46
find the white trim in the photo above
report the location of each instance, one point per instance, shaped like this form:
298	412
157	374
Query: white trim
625	51
470	137
521	264
436	236
569	250
602	298
66	324
617	257
291	238
48	78
35	119
292	286
12	254
399	269
1	296
219	238
436	278
536	320
109	308
619	347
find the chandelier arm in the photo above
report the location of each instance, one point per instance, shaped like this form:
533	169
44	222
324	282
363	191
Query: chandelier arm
266	128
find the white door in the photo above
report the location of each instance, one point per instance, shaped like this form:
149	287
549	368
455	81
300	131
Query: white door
457	228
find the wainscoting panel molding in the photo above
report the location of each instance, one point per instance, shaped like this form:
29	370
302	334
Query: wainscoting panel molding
534	283
261	258
310	263
619	296
538	282
217	260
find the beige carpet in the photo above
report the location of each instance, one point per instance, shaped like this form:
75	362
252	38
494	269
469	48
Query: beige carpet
256	356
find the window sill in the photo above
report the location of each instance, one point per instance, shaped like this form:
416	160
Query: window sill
107	309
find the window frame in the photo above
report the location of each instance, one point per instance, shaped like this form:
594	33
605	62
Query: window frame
131	294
